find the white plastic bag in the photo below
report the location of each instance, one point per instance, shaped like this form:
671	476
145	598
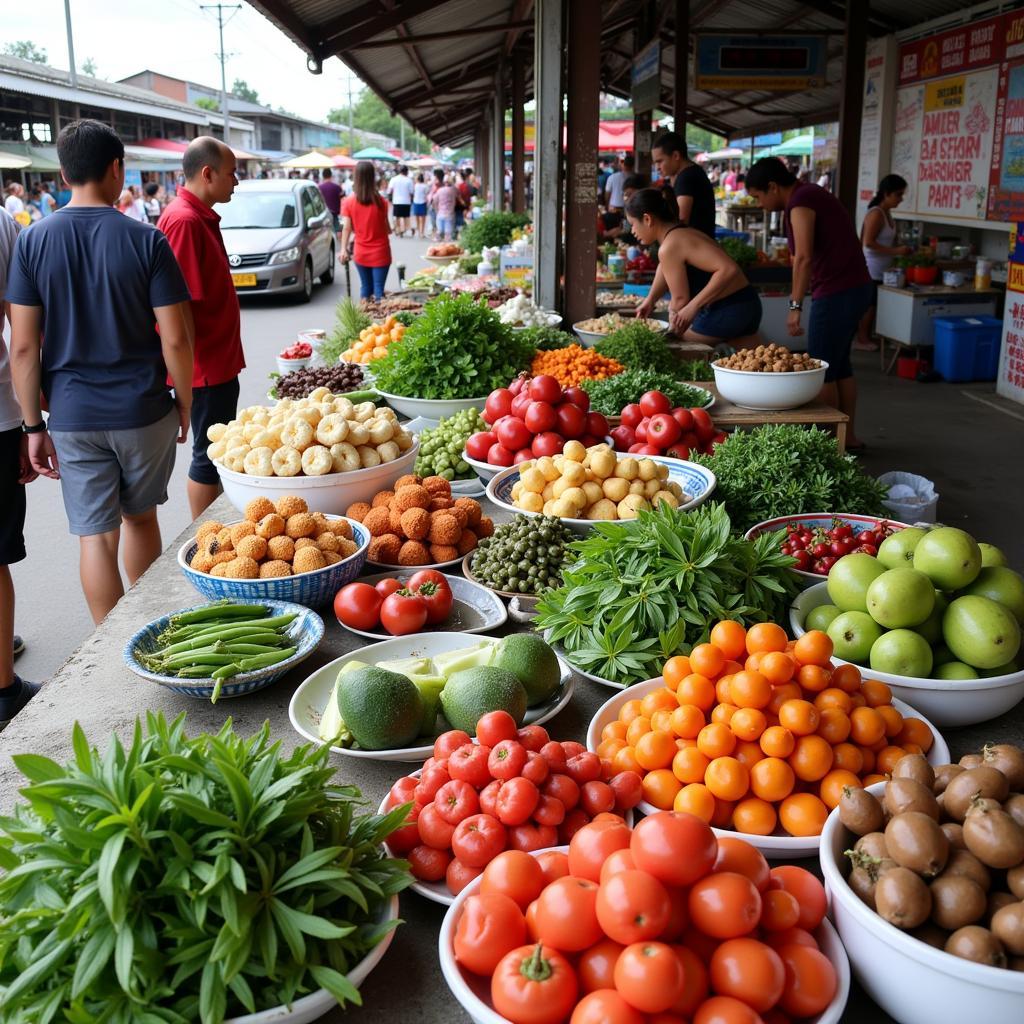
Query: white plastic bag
912	498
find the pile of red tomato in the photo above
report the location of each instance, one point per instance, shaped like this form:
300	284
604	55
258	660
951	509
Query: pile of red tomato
534	417
652	427
661	924
299	350
818	550
399	607
515	789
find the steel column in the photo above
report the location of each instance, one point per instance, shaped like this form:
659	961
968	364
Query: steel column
498	144
851	105
518	136
645	32
680	72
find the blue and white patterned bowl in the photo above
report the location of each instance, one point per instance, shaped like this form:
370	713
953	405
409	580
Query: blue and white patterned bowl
697	482
312	589
306	630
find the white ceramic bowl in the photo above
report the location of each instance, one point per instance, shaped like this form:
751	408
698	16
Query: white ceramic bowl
777	846
912	981
952	702
473	992
769	391
588	339
484	470
291	365
442	261
332	493
318	1003
431	408
694	479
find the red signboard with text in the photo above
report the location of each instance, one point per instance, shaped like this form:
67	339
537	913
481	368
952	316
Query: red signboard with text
977	45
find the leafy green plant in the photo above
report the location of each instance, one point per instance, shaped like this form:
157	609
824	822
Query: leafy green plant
695	369
491	229
547	339
456	348
608	396
742	253
638	347
642	591
349	321
786	469
183	880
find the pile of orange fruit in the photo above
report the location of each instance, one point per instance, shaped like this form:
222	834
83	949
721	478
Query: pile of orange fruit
752	731
373	341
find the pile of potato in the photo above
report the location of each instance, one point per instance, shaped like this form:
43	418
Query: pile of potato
769	358
323	433
593	483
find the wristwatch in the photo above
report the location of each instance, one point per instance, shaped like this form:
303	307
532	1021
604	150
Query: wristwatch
37	428
794	306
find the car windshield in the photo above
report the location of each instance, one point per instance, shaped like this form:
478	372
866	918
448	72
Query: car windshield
258	210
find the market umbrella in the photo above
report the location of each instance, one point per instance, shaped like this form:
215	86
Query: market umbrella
373	153
13	162
701	158
343	161
799	145
729	153
310	161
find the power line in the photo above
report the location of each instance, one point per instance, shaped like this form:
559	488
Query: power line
223	57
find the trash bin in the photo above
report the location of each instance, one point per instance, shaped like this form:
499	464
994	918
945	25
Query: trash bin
912	498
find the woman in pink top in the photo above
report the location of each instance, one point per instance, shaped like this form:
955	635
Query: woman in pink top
444	200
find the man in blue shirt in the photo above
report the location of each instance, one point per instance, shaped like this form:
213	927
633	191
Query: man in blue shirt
97	285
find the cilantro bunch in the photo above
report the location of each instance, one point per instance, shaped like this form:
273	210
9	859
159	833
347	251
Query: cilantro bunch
638	347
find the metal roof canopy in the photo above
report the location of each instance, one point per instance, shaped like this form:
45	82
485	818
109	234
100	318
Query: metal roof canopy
451	52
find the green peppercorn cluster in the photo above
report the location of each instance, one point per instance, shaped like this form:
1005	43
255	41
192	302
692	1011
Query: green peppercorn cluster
524	555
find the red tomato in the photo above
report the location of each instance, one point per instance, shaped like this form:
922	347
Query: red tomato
573	821
507	759
540	416
402	792
554	864
489	797
469	764
549	811
631	415
572	420
531	837
584	767
653	402
578	397
520	404
623	437
513	433
779	911
428	576
597	425
435	831
597	797
406	836
545	388
561	787
427	863
632	906
499	455
684	418
533	737
432	779
615	863
567	914
676	848
519	383
663	430
748	970
702	425
628	790
438	599
649	976
489	926
448	742
516	801
523	455
809	893
548	443
739	856
402	613
536	768
514	874
498	404
678	916
534	985
494	727
592	844
358	605
640	432
478	839
810	981
596	965
725	905
459	875
725	1010
456	800
787	937
605	1006
480	443
553	753
678	451
695	984
387	587
572	748
648	449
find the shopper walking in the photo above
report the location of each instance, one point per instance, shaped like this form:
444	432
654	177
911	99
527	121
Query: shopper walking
152	202
445	201
102	284
465	190
14	199
829	262
436	181
364	220
400	192
332	193
614	199
420	190
193	230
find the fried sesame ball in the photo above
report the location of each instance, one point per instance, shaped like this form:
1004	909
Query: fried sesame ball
409	480
220	569
331	557
378	521
308	560
443	552
201	562
385	549
208	529
485	528
340	527
395	519
328	541
321	521
290	505
347	547
240	530
357	511
242	569
274	568
258	508
222	557
271	525
415	523
440	504
305	542
413	553
444	529
437	487
467	542
224	538
281	548
460	514
252	547
473	510
382	499
301	524
412	496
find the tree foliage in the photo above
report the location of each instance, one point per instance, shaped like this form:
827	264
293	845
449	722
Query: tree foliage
26	50
206	103
244	91
89	67
370	114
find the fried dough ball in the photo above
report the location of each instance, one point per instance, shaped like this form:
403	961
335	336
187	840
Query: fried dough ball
341	527
301	524
467	542
382	498
274	568
378	521
208	529
328	541
347	547
473	510
437	486
220	569
291	505
344	458
242	569
395	518
286	461
460	514
444	529
443	552
357	511
413	552
222	557
240	530
485	528
252	547
308	560
201	562
305	542
224	537
281	548
322	522
317	461
298	432
409	480
332	429
440	504
259	461
412	496
385	549
415	523
271	525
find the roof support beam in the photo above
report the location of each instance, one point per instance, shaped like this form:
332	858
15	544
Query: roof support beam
521	9
435	37
345	33
852	104
483	68
549	45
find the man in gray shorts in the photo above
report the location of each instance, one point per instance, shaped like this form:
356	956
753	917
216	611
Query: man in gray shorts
98	284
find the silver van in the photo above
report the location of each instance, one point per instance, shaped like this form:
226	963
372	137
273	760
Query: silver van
279	236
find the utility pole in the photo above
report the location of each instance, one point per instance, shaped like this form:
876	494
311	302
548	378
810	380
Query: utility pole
71	48
351	132
223	58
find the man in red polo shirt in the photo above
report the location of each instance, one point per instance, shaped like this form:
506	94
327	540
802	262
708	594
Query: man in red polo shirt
193	230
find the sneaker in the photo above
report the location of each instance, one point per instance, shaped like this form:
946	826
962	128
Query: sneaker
19	645
14	698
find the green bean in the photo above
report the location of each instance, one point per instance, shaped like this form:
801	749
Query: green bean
218	610
227	671
265	660
194	672
197	658
248	648
266	623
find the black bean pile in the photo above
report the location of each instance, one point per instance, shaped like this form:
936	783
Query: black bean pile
338	379
524	555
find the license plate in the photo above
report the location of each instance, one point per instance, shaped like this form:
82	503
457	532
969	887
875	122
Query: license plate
244	280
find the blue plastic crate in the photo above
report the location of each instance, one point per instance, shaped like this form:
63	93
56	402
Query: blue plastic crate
967	347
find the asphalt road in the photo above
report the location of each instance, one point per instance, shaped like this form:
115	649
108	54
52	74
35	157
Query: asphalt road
51	612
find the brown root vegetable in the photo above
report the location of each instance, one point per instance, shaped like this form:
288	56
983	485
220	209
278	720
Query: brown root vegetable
931	934
963	862
954	832
915	841
996	902
975	782
916	767
943	774
969	761
863	885
860	811
1014	807
907	794
994	837
978	944
873	844
1015	881
956	901
1009	760
902	898
1008	927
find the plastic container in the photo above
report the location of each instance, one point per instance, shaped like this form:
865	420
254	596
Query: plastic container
908	369
916	500
982	273
967	347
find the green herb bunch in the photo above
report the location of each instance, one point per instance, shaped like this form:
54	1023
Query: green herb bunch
786	469
456	348
638	347
739	250
608	396
349	321
695	369
547	339
491	229
186	880
642	591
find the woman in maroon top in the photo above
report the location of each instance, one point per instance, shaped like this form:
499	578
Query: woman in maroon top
827	260
364	215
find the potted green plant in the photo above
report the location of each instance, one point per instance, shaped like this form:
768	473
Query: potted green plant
923	269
